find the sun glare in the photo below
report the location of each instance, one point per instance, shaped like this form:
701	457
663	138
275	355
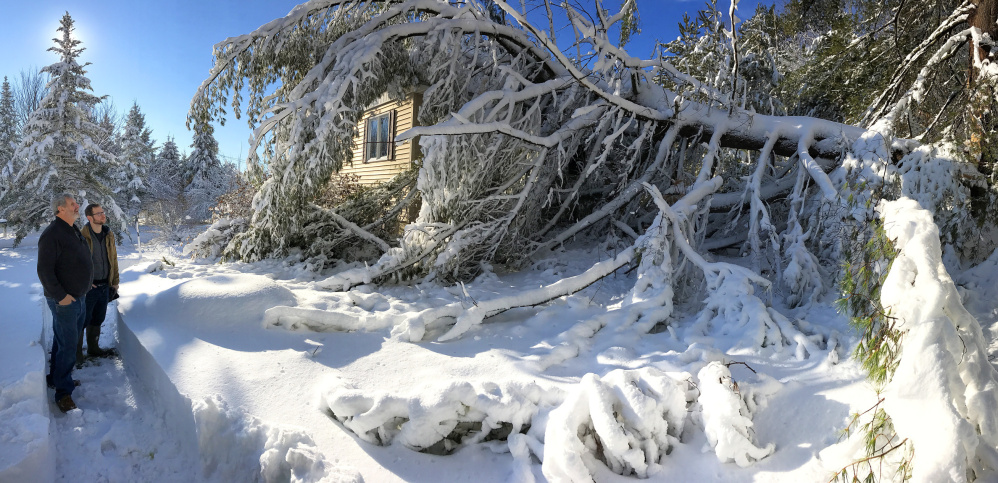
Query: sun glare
81	28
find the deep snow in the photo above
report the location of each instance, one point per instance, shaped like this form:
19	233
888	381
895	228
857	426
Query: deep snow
255	372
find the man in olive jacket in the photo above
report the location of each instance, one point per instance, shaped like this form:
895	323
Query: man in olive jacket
65	271
105	259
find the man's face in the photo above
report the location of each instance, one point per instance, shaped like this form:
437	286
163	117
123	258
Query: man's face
98	217
70	209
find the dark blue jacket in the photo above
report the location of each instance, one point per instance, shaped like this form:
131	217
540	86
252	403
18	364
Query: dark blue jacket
64	264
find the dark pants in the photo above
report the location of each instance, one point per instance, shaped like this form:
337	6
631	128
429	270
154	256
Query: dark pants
97	305
67	322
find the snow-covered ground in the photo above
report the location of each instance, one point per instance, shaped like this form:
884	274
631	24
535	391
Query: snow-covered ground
254	372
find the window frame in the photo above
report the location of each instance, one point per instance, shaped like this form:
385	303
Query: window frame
373	144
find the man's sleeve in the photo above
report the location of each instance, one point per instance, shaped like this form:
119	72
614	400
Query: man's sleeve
112	259
48	252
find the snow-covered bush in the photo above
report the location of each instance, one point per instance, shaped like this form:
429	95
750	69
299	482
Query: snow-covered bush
626	420
726	418
212	242
439	420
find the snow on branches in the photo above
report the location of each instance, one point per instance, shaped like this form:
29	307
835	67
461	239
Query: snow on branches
627	421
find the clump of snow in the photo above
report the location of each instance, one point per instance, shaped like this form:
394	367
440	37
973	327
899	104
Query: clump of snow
236	446
627	420
727	419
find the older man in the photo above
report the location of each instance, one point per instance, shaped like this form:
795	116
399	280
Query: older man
100	240
66	272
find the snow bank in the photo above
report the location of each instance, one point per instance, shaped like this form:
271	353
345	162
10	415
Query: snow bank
218	301
26	452
943	396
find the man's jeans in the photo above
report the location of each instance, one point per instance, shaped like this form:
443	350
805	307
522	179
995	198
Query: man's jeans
97	305
67	322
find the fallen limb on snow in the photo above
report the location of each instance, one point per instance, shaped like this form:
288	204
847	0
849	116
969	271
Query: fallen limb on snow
297	318
415	327
726	419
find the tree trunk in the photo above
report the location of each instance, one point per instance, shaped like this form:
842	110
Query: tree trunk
983	17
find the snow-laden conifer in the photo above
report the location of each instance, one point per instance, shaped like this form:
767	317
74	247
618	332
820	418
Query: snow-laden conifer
8	134
58	147
206	177
137	153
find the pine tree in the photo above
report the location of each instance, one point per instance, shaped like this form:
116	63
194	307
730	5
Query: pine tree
204	174
165	178
137	153
58	146
8	134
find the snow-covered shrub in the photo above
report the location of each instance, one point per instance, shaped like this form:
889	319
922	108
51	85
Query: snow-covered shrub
439	420
627	421
212	242
732	311
726	418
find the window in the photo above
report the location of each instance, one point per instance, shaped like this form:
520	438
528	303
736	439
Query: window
379	137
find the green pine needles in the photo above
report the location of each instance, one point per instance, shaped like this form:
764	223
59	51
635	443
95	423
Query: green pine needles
868	260
863	276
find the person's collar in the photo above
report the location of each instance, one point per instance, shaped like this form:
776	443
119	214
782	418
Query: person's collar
98	230
70	223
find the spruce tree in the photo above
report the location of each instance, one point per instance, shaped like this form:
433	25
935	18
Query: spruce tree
137	153
205	176
58	146
8	134
165	178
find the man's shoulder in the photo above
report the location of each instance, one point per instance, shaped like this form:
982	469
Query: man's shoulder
51	227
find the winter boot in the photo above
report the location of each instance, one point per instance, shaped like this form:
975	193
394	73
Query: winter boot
93	335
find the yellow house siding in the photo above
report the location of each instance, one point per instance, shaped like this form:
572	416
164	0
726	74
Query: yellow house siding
381	170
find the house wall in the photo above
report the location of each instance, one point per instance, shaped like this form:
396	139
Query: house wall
379	171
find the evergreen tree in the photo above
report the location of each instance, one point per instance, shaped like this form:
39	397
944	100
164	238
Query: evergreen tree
205	176
58	146
8	134
137	153
165	178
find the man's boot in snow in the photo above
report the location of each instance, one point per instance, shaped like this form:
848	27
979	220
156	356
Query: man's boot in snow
93	335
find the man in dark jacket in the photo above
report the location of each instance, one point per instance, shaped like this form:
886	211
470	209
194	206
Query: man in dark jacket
66	272
104	254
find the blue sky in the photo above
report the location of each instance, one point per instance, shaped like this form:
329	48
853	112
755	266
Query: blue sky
158	52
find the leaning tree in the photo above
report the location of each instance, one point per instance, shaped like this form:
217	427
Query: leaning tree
529	141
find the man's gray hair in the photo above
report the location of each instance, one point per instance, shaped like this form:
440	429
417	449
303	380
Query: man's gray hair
60	200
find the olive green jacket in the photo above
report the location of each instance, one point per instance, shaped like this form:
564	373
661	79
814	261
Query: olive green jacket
112	252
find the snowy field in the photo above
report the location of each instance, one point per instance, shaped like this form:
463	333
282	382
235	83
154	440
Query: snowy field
255	372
